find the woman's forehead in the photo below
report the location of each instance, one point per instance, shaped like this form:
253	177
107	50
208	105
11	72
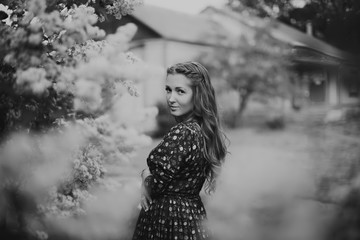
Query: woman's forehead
178	80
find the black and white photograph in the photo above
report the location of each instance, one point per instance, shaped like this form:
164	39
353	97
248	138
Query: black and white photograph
179	120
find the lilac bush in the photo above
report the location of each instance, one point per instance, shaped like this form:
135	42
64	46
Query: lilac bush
61	76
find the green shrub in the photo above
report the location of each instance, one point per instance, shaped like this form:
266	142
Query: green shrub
275	123
353	114
228	118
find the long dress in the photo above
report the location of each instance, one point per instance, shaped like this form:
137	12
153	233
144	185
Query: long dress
178	171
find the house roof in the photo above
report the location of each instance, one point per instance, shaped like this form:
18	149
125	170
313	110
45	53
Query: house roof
205	30
173	25
285	33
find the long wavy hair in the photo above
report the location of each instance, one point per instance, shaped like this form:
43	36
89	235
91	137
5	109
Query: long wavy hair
206	113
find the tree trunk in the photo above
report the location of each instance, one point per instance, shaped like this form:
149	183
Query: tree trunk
243	100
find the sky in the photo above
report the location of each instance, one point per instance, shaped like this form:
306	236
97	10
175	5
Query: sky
187	6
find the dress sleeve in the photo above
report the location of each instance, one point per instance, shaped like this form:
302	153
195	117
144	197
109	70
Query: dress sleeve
168	158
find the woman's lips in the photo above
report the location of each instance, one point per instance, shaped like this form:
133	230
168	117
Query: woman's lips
173	108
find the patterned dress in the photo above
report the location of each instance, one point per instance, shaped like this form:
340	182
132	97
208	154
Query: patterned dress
177	167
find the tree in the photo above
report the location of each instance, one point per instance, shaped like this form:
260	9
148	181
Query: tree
334	21
60	78
252	66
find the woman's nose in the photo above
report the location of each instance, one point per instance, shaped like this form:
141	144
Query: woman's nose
171	97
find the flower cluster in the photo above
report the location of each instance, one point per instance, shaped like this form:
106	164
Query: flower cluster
119	8
37	7
107	144
66	199
88	50
34	79
116	141
102	73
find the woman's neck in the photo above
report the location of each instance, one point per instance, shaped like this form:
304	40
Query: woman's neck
185	117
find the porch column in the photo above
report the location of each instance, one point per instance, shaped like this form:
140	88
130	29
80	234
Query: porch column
333	92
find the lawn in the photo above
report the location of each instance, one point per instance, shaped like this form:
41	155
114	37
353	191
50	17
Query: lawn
277	184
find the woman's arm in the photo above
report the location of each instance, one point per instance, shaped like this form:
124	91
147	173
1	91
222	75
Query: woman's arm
145	195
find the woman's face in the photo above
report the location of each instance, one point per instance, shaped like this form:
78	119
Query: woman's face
179	94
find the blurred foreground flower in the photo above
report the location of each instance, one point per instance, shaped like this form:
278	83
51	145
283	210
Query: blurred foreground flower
33	79
61	79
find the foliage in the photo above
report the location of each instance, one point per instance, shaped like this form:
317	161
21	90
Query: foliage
353	115
60	77
275	123
252	66
331	20
228	118
345	225
118	8
41	60
337	154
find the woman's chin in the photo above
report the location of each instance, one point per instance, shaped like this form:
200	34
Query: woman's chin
174	114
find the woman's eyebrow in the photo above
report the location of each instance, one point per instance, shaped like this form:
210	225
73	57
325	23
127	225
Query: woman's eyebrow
181	88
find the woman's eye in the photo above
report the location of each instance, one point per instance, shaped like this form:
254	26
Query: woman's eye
167	90
181	91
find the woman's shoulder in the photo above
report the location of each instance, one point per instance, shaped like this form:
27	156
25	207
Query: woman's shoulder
193	126
185	128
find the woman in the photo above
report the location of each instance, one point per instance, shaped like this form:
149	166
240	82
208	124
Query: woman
188	157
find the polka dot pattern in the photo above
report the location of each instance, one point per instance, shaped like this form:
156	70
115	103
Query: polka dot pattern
177	167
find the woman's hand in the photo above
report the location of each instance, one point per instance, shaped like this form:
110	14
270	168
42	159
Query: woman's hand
145	196
145	173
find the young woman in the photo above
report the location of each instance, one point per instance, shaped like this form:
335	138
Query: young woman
188	157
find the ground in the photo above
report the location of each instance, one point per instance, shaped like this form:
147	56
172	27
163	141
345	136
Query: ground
277	184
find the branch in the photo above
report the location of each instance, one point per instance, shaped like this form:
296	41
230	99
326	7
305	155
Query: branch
337	7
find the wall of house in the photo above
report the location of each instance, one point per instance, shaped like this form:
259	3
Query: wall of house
159	54
333	87
349	86
343	86
181	51
152	52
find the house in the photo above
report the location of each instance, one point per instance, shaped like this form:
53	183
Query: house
333	76
165	37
